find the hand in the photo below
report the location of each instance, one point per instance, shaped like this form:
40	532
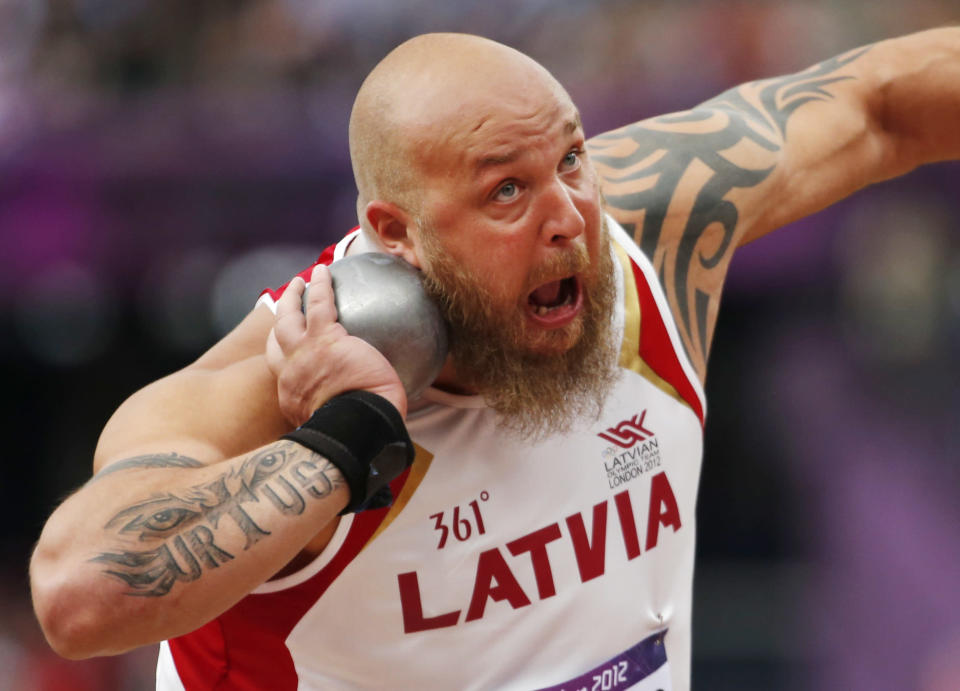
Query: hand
314	358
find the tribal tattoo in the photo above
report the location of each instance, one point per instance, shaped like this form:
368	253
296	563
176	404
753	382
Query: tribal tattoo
646	164
185	523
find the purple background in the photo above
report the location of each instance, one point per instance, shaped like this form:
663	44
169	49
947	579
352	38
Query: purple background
160	162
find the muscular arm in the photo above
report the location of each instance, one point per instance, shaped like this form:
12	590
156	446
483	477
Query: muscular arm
693	186
176	500
222	405
195	502
157	545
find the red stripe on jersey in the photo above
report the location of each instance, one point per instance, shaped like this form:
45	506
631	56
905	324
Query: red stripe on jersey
326	257
244	649
657	349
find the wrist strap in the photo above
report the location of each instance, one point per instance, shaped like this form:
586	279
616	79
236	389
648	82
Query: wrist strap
364	436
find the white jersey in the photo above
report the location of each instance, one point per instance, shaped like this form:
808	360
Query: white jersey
565	564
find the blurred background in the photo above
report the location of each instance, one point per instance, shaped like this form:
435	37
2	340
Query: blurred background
161	162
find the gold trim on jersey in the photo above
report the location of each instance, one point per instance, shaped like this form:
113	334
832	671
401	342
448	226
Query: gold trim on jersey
629	359
630	349
418	470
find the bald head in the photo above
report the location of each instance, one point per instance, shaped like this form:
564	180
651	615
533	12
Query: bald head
421	96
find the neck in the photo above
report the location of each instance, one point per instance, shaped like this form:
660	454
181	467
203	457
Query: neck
447	381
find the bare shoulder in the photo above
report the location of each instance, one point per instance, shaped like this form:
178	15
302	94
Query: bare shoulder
693	186
690	187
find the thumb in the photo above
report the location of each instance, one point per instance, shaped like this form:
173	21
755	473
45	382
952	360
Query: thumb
274	353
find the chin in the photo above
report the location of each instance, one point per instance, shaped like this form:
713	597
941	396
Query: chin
547	342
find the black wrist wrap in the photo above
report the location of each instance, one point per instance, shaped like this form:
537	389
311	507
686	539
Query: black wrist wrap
364	436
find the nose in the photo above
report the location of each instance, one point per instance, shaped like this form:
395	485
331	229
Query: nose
562	220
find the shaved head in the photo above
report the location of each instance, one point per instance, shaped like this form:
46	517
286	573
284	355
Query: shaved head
421	96
471	164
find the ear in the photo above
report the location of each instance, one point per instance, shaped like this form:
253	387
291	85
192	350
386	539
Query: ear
393	225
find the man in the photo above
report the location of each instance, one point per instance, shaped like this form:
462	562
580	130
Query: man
543	535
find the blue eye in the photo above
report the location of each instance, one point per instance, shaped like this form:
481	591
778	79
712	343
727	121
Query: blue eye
507	192
572	159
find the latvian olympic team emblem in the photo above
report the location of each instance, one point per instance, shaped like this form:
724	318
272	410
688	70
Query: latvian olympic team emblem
635	450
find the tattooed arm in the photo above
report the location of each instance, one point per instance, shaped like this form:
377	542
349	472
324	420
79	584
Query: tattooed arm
693	186
111	573
194	503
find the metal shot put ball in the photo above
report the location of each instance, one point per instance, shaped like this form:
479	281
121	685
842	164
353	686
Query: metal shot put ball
380	298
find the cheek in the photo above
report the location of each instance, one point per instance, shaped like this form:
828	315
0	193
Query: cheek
588	199
588	189
498	263
512	270
591	209
496	255
502	279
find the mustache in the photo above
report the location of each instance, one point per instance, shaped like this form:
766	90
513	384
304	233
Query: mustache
574	260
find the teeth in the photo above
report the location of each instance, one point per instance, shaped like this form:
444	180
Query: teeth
568	299
543	309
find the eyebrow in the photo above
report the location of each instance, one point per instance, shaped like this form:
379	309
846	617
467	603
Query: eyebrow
569	127
493	161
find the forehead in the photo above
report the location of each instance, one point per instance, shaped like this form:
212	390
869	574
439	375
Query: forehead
495	127
500	141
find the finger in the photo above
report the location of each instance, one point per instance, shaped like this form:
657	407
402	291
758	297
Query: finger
321	308
290	324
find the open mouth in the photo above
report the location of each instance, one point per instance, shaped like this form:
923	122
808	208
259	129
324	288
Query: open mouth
555	303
